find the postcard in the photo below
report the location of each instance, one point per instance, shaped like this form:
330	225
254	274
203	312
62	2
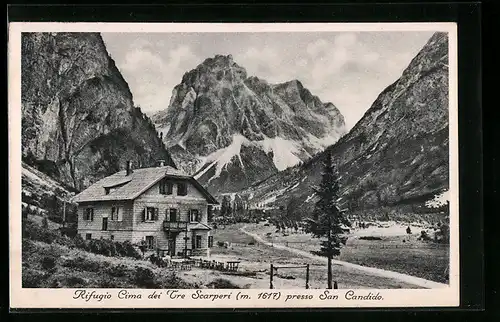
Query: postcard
233	165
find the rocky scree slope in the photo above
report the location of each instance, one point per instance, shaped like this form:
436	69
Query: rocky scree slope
79	122
233	130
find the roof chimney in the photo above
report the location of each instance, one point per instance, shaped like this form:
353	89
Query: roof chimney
129	167
161	163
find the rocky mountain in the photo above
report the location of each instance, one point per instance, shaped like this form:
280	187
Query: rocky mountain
397	154
233	130
79	122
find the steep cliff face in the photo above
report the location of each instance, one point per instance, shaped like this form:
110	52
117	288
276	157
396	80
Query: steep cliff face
233	130
396	154
79	122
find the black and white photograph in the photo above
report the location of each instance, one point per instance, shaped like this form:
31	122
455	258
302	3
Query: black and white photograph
269	159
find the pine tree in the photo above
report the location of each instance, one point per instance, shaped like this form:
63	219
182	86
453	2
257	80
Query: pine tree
327	218
225	209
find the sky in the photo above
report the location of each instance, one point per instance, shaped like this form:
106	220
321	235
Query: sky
348	69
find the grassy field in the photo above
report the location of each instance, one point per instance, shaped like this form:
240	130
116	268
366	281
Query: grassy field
258	257
399	253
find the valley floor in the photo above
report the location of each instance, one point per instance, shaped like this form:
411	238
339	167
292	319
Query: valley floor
53	264
294	249
391	249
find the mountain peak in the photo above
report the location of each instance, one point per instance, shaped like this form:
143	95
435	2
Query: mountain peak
235	130
215	68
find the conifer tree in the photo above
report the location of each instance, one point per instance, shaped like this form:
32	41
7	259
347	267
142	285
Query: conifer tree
327	218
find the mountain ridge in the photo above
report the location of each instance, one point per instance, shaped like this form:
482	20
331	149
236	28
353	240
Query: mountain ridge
231	129
396	153
78	117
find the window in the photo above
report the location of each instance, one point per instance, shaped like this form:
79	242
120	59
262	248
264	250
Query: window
150	214
150	242
88	236
116	214
210	241
195	215
106	190
112	237
198	241
89	214
165	187
181	189
173	215
105	223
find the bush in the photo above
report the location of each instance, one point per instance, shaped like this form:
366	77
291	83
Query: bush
45	223
106	282
83	264
130	250
117	270
34	232
76	281
158	261
424	236
32	278
66	241
48	263
221	283
172	281
370	238
144	277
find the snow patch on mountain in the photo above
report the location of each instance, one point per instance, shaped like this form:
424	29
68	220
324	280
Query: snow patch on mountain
284	151
439	200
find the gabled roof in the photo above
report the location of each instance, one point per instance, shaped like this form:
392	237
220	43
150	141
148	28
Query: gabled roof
132	186
200	226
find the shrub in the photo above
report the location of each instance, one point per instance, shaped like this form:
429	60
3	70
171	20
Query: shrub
220	243
424	236
221	283
130	250
370	238
106	282
76	281
32	278
117	270
48	263
158	261
45	223
84	264
144	277
66	241
172	281
34	232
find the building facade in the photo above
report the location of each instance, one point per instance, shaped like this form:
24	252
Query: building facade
160	208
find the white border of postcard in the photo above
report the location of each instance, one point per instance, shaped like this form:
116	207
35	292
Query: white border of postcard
64	298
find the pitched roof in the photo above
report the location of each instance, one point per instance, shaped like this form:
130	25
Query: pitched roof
132	186
201	226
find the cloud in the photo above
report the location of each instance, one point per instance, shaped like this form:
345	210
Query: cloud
152	74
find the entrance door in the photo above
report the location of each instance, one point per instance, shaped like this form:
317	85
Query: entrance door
105	223
171	247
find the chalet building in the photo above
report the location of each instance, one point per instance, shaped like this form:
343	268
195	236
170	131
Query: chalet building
159	207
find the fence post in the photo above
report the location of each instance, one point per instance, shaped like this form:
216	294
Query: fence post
271	277
307	276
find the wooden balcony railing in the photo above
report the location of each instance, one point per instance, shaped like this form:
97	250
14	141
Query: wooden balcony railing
174	225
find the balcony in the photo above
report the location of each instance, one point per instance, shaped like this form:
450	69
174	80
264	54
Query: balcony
175	226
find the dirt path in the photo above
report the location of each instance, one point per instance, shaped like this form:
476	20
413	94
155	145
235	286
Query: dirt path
370	270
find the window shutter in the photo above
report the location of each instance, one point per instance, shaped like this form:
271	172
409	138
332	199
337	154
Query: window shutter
155	217
144	214
167	215
92	214
120	213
